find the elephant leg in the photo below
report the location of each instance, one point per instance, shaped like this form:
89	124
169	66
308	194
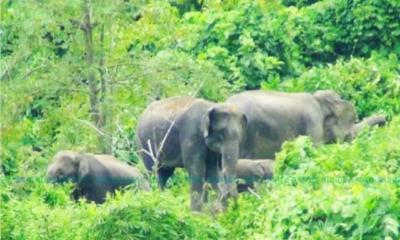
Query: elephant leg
163	174
95	187
196	190
213	173
93	194
242	187
194	159
214	176
196	176
76	193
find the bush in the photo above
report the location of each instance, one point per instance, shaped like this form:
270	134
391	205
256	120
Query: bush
338	191
365	26
298	3
141	220
258	42
247	43
43	211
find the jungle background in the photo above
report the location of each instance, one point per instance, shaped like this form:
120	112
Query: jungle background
77	74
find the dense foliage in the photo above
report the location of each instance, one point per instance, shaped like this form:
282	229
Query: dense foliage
341	191
64	87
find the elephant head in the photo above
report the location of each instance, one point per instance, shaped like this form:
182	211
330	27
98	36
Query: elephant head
339	116
67	166
223	130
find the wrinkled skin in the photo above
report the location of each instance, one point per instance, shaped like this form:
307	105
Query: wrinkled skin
93	175
201	136
251	170
274	117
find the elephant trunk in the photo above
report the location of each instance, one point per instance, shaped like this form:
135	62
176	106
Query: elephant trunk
377	119
230	157
370	121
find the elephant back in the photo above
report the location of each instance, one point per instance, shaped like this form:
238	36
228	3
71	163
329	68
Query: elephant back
121	173
156	130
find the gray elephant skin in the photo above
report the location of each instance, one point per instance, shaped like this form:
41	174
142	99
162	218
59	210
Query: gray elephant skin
201	136
274	117
251	170
93	175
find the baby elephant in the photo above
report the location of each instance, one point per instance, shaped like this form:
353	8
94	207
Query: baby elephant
251	170
93	175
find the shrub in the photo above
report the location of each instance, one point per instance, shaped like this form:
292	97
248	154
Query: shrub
338	191
256	42
247	43
43	211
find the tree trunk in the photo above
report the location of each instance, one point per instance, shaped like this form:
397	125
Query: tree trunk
96	116
104	117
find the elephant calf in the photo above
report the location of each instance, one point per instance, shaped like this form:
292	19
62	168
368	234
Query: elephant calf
93	175
250	170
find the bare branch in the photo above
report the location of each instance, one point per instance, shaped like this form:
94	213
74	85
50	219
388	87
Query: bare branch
77	23
151	153
254	193
38	90
31	72
174	120
101	132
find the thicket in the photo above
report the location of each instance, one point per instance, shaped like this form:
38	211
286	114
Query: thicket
338	191
260	41
146	50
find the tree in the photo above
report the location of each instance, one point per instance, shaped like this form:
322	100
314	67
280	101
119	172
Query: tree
94	63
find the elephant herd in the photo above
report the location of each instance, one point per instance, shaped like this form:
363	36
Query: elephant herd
215	142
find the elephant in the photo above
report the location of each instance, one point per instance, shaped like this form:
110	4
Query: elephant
93	175
274	117
199	135
208	138
250	170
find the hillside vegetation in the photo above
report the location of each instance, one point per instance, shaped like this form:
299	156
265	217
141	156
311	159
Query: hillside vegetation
77	74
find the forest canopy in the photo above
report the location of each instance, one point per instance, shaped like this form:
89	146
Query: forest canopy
77	75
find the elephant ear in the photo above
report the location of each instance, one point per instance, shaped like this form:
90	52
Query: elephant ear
210	116
328	100
339	115
205	122
83	166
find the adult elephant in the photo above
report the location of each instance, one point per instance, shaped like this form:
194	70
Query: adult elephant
274	117
199	135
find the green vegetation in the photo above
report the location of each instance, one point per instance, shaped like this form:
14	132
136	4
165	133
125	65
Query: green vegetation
73	80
